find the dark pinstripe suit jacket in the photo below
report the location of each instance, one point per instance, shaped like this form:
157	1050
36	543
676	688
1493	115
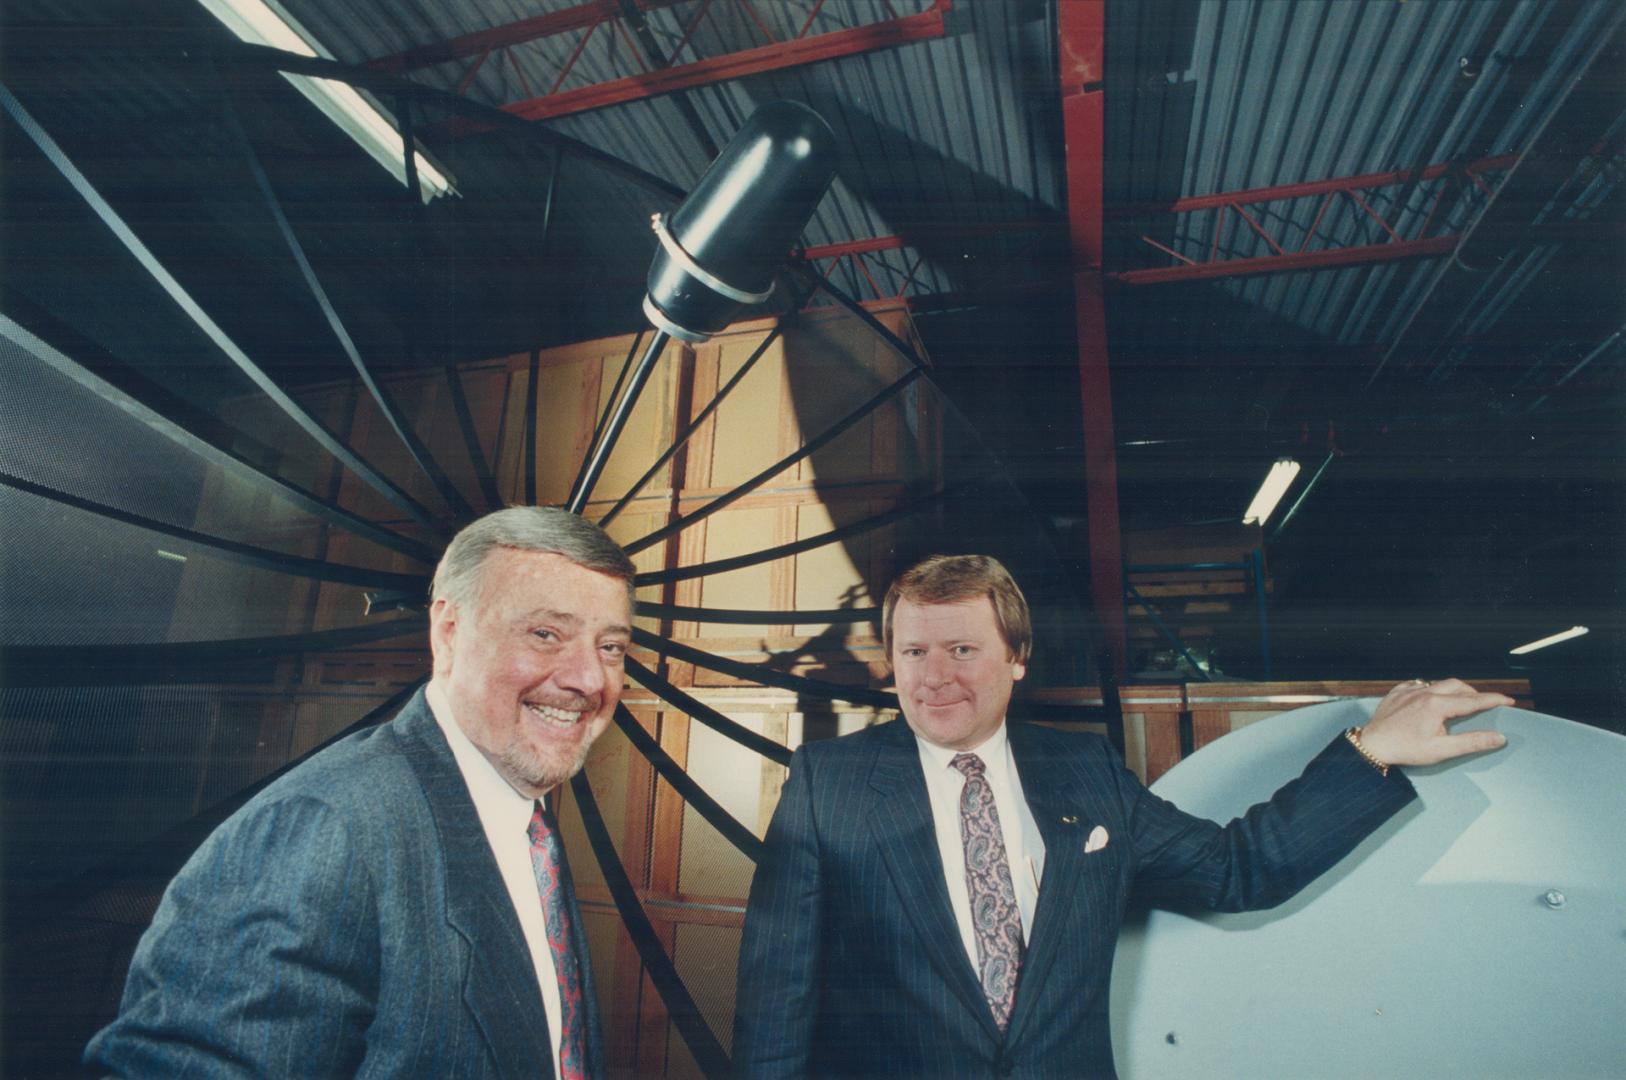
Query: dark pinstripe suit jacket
852	963
349	921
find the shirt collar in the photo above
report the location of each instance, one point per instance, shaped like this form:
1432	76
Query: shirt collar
993	751
494	797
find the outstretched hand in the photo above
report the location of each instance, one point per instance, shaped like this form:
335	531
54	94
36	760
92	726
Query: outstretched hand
1408	727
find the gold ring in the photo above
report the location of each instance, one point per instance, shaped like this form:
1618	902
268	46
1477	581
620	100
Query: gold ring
1421	682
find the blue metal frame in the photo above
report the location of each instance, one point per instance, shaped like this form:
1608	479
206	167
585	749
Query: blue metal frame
1254	568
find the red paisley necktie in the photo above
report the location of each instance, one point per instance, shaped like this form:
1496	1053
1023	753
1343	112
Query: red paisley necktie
548	863
995	919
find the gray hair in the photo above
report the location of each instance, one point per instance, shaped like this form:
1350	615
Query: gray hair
526	528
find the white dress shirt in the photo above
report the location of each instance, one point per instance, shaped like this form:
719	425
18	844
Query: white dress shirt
1024	847
506	816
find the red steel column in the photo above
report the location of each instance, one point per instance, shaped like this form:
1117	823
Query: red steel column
1081	37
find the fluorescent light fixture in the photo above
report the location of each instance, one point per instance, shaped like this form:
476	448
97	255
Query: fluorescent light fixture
1271	491
1550	639
258	22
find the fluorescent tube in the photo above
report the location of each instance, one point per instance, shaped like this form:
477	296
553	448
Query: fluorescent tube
1550	639
1271	491
256	22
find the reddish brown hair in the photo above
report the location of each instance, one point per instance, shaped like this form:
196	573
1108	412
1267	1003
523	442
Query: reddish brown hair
948	579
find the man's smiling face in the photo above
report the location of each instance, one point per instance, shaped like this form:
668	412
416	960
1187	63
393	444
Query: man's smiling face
532	663
954	671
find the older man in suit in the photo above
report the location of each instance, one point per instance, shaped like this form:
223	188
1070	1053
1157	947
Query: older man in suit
399	905
942	897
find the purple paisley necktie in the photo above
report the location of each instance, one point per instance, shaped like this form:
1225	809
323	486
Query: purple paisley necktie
548	863
994	915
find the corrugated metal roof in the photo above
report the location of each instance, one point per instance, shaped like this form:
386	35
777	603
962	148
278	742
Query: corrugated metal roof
1235	96
936	132
963	130
954	145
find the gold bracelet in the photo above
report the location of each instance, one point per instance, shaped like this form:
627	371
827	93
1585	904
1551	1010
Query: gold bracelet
1354	737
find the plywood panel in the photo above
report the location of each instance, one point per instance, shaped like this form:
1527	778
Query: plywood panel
485	387
425	407
649	429
707	374
623	530
1151	727
509	461
375	441
1162	742
737	532
1135	743
1208	725
749	426
604	936
563	424
732	775
607	773
566	392
706	958
428	400
833	371
831	576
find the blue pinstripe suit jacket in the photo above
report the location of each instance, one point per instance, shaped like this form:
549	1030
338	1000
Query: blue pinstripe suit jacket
350	920
852	964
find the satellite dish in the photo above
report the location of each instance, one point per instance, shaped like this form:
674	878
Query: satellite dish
1480	933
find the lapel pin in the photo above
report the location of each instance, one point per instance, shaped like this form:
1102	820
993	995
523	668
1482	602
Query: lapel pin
1097	840
1069	819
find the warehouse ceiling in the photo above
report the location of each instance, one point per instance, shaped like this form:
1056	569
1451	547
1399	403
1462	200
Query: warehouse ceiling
1439	343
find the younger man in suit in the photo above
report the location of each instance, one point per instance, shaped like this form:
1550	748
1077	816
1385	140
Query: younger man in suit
399	904
942	897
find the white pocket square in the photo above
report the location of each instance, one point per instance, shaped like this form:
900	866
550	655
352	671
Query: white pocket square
1097	840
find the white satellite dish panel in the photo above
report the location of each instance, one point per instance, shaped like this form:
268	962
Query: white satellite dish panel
1480	933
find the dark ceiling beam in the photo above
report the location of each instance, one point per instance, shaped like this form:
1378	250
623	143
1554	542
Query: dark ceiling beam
778	56
580	17
1356	188
656	57
1081	41
1331	259
1308	188
854	247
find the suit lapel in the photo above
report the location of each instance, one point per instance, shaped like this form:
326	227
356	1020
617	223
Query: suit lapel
1050	789
500	988
900	817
